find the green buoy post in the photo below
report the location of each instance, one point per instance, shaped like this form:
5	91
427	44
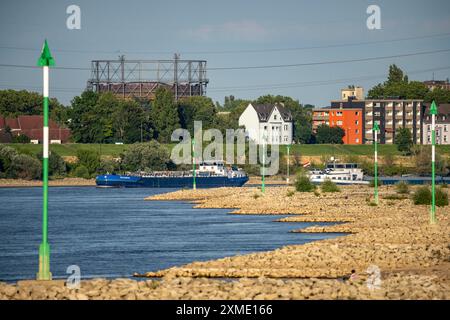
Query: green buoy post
45	61
376	129
288	151
263	182
433	113
194	184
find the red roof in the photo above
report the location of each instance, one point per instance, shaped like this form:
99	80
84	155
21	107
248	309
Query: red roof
32	126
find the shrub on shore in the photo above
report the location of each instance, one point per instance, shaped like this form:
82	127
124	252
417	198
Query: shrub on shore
329	186
402	187
81	172
303	184
423	196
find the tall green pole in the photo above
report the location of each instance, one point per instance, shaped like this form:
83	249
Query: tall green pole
288	149
263	182
194	185
433	113
376	129
45	60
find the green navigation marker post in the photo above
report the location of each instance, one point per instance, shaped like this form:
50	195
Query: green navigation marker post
288	149
45	61
376	129
263	182
433	113
194	185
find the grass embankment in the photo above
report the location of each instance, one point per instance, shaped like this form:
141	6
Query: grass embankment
70	149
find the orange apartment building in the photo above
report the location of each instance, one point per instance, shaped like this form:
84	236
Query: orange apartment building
350	120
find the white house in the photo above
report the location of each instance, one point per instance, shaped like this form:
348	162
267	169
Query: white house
271	123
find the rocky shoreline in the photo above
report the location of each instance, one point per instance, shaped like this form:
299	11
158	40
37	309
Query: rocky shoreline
391	252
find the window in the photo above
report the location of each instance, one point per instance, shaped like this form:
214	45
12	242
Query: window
356	113
429	127
285	127
356	131
357	122
285	138
357	140
265	127
445	128
339	123
275	117
339	114
445	138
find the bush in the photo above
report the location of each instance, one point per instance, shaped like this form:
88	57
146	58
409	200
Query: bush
90	160
81	172
25	167
402	187
146	156
329	186
423	196
21	139
303	184
56	164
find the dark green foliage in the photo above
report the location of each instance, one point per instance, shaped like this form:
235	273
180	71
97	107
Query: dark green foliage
329	135
402	187
423	196
398	85
16	165
21	139
88	159
403	140
329	186
81	172
14	103
164	115
149	156
303	184
56	165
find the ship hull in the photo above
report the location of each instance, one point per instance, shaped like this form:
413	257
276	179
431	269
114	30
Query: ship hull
168	182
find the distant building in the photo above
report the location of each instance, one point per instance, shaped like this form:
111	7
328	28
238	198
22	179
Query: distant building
353	92
350	120
391	114
441	84
32	127
442	124
271	123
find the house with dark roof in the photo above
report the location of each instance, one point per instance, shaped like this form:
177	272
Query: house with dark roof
269	123
32	127
442	124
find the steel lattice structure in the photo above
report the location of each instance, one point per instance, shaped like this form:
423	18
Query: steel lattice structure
141	78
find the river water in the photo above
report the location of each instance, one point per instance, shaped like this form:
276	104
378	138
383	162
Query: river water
114	232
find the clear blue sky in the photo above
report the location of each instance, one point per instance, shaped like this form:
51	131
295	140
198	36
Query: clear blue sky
160	28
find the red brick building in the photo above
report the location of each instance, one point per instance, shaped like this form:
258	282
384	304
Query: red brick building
32	127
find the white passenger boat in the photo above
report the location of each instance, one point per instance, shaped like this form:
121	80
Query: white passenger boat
339	173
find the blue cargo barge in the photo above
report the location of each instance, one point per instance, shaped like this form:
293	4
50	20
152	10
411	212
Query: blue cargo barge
209	175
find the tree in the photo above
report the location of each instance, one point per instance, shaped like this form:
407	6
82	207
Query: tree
150	156
398	85
164	115
438	95
197	108
89	159
14	103
327	134
403	140
56	165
